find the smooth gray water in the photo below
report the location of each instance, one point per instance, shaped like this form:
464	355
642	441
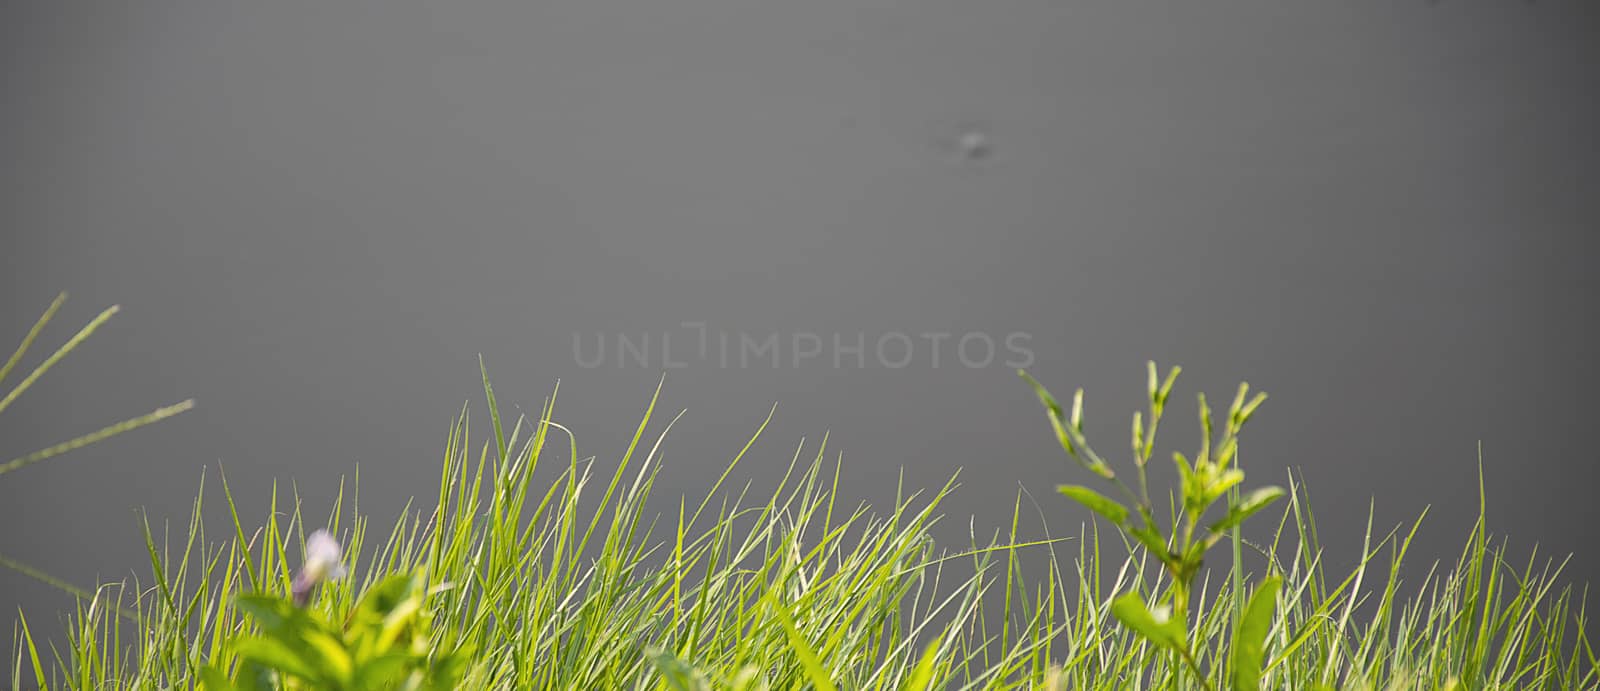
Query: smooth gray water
317	215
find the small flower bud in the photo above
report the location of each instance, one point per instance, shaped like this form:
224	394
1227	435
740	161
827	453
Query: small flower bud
323	562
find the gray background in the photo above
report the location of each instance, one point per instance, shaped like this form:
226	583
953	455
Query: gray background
317	215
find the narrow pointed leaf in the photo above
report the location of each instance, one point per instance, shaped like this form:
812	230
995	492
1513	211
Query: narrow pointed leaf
1098	503
1246	507
1130	609
1249	641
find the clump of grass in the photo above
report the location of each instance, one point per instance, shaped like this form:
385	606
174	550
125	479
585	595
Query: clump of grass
577	585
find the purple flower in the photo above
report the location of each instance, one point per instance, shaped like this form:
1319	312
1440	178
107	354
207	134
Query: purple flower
323	562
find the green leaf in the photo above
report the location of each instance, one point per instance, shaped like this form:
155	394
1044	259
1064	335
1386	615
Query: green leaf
254	676
1045	398
383	599
1098	503
494	409
1052	411
33	653
1138	437
447	670
103	433
922	675
1246	507
1187	486
1166	632
1223	482
398	621
1154	385
276	616
1069	431
802	650
1238	404
676	674
1151	540
1250	408
269	652
1166	386
386	671
1249	641
27	341
212	679
332	657
1225	451
74	342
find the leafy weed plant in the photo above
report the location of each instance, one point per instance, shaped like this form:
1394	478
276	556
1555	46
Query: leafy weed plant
1181	549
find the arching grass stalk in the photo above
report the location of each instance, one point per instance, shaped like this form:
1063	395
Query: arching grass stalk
11	396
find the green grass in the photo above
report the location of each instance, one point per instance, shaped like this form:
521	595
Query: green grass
14	394
11	396
574	584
